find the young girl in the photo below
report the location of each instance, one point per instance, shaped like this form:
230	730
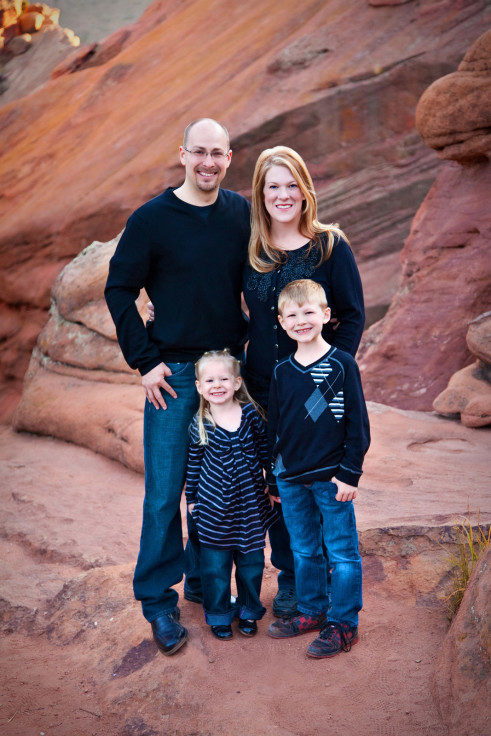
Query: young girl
227	494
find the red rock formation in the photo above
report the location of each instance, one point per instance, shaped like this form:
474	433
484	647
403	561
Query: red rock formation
468	393
408	357
338	80
462	679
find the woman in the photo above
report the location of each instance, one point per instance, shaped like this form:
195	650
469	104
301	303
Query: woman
287	243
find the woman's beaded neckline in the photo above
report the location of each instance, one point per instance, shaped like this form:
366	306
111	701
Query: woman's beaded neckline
296	266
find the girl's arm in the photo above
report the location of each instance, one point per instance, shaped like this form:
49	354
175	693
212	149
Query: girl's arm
195	458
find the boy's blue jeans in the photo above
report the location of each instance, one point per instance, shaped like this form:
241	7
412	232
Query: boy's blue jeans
216	572
311	514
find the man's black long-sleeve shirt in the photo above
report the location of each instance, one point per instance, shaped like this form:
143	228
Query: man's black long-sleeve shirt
190	260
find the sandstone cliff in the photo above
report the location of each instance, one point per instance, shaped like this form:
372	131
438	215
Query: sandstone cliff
408	357
338	80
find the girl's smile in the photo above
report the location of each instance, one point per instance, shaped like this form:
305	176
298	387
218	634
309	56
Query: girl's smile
216	383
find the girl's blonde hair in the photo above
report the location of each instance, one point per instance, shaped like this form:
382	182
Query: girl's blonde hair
263	256
241	395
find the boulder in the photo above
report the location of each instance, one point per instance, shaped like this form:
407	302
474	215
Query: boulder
9	12
30	22
19	44
469	390
454	114
479	337
462	678
469	394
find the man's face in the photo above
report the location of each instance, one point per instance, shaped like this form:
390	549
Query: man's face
206	172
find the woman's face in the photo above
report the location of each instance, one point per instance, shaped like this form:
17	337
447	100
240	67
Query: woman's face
282	196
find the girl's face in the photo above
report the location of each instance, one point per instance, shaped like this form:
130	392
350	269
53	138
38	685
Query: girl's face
282	196
217	384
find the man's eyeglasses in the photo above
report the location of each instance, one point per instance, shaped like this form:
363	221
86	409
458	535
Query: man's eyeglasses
203	155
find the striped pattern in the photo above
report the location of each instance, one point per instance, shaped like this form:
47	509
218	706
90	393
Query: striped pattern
320	371
225	481
337	405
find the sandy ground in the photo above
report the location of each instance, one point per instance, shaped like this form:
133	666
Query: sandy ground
78	658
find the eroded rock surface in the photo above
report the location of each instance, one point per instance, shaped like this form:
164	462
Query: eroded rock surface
90	146
77	655
462	679
408	357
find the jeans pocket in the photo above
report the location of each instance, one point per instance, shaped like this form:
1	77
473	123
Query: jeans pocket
177	369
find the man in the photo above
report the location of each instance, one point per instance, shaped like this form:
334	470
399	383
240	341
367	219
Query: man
187	247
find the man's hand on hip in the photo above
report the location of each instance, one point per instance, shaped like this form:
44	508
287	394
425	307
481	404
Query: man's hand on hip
153	381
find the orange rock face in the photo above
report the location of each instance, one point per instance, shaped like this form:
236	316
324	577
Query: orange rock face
463	671
339	81
408	357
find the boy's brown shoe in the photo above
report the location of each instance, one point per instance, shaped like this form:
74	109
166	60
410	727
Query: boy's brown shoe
301	624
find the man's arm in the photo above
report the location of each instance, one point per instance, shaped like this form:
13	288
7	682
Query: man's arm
128	273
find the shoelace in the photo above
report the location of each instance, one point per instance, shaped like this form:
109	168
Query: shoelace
334	629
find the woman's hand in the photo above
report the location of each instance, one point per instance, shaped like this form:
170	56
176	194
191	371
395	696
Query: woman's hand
151	312
272	499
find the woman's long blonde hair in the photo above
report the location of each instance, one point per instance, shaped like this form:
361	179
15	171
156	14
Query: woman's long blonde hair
241	395
263	255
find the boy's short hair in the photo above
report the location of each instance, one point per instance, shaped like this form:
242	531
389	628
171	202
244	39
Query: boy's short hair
301	291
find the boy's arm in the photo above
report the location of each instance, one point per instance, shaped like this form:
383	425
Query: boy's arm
357	433
345	492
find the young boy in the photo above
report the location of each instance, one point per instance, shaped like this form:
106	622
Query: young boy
318	423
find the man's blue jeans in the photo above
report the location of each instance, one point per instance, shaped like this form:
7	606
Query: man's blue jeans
311	514
160	562
216	571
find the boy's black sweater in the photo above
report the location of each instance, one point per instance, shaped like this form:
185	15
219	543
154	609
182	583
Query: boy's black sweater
190	261
318	419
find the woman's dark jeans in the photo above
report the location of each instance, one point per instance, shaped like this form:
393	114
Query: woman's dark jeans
281	554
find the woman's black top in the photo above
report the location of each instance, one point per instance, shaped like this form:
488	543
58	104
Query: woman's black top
339	275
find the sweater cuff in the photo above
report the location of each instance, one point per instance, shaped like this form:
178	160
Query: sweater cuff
345	475
149	365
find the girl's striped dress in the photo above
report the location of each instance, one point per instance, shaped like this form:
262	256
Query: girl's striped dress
225	482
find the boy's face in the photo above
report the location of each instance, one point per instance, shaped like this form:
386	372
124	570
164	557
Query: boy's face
303	323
